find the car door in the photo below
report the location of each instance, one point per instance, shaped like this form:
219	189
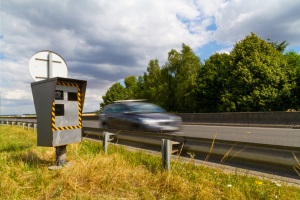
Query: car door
120	117
115	117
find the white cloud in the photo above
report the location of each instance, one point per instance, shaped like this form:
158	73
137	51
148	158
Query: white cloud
104	41
270	19
16	94
226	50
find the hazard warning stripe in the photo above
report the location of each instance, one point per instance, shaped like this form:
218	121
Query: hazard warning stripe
68	84
66	128
79	106
53	116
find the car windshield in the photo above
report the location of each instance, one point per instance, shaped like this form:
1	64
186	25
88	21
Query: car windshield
145	108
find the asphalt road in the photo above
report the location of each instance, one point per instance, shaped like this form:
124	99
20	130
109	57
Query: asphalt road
273	136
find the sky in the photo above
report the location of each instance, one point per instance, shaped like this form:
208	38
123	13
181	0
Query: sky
104	41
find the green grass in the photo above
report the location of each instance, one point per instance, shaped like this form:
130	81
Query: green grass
121	174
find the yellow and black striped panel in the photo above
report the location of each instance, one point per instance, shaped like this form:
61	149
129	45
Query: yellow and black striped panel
53	116
68	84
79	107
54	128
65	128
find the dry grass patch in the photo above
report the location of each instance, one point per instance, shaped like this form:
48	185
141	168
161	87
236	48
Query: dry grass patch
119	175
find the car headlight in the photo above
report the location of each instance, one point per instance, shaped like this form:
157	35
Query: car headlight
178	119
147	121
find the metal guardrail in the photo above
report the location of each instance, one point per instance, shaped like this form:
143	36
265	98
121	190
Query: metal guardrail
285	158
275	162
227	150
23	124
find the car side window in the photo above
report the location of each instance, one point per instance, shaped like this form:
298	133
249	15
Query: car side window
117	108
122	108
108	109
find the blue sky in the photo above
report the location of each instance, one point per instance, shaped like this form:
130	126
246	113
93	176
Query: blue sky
105	41
210	48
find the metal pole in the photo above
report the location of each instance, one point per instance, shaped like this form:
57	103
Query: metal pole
61	155
166	154
49	74
105	140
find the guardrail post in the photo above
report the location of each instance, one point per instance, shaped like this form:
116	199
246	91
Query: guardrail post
28	126
166	151
13	123
105	139
34	127
166	154
24	125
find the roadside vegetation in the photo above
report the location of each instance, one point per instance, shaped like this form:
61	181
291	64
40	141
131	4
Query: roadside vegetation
121	174
257	75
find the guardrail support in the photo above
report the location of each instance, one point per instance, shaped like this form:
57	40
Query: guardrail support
166	151
28	126
24	125
34	127
105	139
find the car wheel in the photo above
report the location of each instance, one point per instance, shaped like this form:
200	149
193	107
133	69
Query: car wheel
104	125
135	127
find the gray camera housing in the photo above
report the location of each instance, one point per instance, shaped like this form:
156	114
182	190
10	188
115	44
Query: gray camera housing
58	103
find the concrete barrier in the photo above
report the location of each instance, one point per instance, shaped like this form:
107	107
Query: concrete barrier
249	118
259	118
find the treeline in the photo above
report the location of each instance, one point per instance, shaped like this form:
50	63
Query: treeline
256	76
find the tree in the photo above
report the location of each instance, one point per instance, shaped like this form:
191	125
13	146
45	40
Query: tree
131	87
258	81
140	93
211	83
114	93
153	83
278	46
179	76
293	72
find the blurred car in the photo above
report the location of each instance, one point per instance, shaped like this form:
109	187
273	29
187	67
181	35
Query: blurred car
138	116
